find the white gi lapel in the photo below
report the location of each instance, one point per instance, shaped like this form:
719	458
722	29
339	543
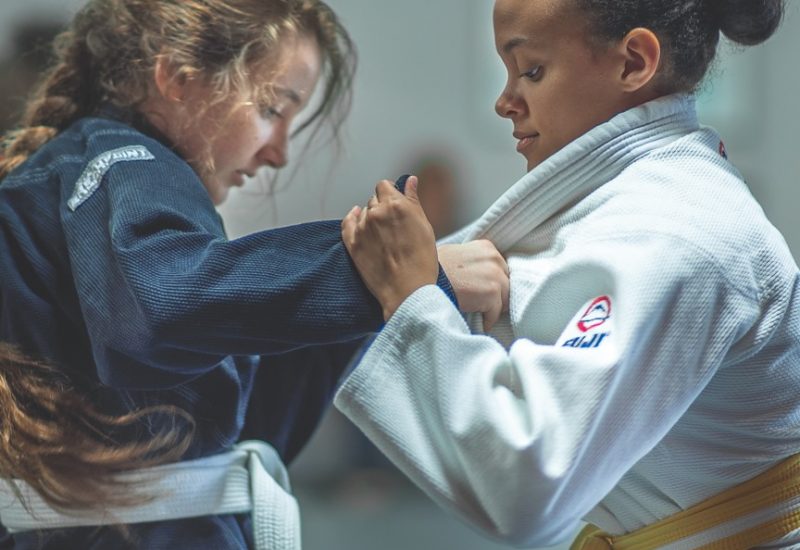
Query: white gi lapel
581	167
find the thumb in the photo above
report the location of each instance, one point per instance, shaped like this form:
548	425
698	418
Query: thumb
411	188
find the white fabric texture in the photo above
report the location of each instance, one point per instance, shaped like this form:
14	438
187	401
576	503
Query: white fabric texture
650	358
250	478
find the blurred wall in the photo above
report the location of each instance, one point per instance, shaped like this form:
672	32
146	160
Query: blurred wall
773	162
16	12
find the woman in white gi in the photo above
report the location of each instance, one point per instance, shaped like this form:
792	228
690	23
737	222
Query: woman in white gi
646	378
171	346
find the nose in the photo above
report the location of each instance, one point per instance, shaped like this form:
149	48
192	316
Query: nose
509	104
275	152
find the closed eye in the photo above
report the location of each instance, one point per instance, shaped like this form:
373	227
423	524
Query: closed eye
271	112
534	74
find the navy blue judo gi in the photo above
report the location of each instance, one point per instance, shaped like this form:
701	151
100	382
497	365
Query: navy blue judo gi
114	266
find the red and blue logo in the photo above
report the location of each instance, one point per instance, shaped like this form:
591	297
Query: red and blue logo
723	151
598	312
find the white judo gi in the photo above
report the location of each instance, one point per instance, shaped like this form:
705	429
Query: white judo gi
650	359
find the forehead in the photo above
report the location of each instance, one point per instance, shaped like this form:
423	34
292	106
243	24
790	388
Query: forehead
294	72
533	19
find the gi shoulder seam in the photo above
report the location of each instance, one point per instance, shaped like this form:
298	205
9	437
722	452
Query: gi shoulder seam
93	174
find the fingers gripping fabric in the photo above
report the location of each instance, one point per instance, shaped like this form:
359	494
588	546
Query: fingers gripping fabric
442	281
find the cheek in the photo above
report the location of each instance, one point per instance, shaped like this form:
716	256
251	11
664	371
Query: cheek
238	140
598	92
577	107
557	109
252	135
262	133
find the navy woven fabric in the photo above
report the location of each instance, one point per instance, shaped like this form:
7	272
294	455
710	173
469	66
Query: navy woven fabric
136	286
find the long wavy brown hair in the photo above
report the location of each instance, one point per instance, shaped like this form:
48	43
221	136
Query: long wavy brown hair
109	52
56	441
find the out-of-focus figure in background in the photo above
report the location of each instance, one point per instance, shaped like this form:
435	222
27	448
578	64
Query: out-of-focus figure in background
439	190
20	70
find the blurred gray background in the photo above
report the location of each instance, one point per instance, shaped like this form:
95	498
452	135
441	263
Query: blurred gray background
427	80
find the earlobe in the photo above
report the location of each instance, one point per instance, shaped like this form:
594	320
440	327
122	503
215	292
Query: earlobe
642	52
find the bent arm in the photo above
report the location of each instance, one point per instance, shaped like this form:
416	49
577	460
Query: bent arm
149	254
523	442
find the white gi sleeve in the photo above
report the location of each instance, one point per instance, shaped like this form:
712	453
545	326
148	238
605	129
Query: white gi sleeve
614	340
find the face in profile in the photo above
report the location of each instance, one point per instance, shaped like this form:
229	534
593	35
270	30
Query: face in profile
558	86
239	136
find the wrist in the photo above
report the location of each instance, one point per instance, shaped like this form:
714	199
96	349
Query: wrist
388	312
392	295
391	302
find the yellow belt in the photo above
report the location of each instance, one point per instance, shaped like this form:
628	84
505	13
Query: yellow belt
777	486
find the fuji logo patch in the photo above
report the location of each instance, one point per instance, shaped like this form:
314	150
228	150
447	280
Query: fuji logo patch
598	312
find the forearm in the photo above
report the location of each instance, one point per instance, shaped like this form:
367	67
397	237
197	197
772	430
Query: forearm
521	442
449	410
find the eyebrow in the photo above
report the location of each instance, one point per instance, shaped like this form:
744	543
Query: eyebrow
513	43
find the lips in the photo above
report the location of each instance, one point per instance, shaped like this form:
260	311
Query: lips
239	176
237	180
525	140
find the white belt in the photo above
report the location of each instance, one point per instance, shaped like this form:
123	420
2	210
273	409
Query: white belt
249	479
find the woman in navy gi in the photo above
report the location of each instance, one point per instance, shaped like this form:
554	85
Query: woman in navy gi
115	268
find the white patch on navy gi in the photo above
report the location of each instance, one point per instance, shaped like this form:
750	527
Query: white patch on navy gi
590	327
93	173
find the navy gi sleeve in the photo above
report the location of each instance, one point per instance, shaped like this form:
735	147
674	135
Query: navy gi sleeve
290	394
160	284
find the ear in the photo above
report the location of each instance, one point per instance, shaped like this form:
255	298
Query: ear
170	83
641	50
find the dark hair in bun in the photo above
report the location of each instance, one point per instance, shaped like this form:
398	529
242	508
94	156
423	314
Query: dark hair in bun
747	22
689	30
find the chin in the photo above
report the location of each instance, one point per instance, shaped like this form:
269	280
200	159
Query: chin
536	160
220	197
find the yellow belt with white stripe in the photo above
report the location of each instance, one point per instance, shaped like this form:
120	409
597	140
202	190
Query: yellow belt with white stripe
756	512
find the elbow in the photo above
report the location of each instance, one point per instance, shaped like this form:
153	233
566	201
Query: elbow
520	508
515	511
534	527
161	315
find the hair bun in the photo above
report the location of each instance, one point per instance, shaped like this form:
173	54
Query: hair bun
747	22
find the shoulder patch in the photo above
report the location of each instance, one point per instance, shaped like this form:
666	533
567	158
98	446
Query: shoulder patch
93	174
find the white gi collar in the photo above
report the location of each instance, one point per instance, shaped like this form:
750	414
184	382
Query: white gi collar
581	167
